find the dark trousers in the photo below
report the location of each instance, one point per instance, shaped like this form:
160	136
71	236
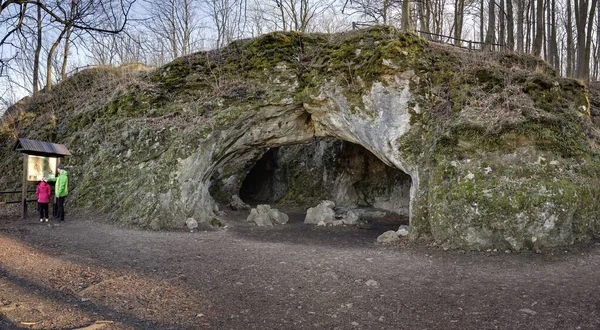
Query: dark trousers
43	208
60	203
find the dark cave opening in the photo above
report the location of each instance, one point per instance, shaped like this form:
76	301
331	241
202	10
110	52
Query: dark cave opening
300	176
257	187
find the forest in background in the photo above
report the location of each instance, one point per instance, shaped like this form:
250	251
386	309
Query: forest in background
44	41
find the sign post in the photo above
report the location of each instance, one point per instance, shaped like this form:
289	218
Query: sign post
24	193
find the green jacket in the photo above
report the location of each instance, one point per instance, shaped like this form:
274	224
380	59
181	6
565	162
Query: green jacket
61	188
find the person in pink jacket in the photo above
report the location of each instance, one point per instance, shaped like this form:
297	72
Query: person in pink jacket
43	195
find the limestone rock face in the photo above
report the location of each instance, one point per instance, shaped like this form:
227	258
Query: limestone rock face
501	152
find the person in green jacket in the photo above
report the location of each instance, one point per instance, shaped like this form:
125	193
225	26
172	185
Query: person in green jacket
61	190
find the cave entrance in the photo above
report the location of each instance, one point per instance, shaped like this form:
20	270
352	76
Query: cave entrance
297	177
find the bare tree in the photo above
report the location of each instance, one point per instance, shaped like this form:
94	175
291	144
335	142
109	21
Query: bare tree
176	23
80	15
438	14
228	17
50	57
424	9
13	22
570	44
300	13
62	17
374	11
584	19
263	17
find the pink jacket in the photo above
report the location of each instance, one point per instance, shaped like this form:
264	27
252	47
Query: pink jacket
43	192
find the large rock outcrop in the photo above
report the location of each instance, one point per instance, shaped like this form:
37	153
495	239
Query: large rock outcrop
501	152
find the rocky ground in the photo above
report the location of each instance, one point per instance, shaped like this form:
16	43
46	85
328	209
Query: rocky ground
88	274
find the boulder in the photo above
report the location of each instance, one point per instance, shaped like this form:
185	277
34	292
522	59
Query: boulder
191	223
237	204
388	237
322	214
351	218
264	216
402	231
278	217
328	204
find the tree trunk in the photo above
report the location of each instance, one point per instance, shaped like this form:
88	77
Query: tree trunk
548	32
187	29
594	64
502	25
63	69
384	13
583	21
588	43
555	62
510	26
279	4
173	28
50	55
439	15
425	15
539	29
38	49
597	50
570	45
520	22
580	8
530	24
406	24
482	20
459	8
490	36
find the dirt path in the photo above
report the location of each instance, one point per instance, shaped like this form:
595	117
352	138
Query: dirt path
85	273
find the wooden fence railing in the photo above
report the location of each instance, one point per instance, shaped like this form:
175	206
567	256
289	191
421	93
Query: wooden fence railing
16	192
463	43
435	37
